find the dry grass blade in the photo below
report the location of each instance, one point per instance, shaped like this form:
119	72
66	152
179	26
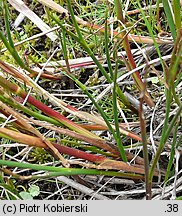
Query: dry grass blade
22	8
82	188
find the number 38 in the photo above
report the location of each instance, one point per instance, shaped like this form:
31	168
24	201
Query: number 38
172	208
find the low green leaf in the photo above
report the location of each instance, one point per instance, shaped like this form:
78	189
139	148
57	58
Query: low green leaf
25	195
34	190
155	80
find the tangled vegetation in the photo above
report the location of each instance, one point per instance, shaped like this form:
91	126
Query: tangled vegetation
90	95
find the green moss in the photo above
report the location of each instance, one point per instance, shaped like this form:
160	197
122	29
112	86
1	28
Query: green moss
40	156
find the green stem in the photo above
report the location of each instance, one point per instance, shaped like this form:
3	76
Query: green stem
177	13
172	153
170	19
67	171
165	134
118	136
145	150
